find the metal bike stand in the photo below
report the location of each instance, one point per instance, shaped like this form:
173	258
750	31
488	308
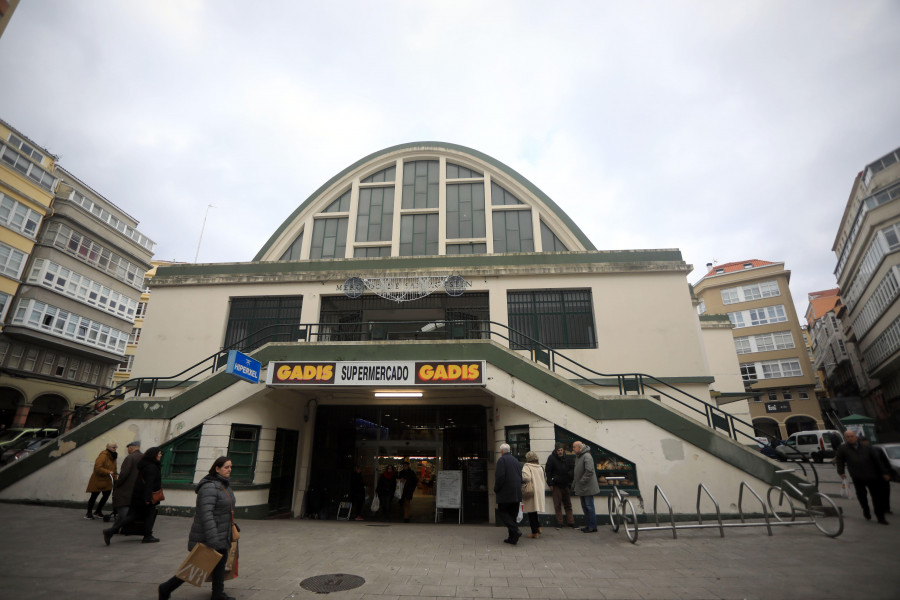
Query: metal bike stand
617	515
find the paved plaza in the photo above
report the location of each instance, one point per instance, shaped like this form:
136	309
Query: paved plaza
49	552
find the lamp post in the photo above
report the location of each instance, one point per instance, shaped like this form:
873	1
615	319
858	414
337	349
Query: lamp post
202	227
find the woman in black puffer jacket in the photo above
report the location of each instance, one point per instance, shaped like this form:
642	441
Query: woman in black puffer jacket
212	525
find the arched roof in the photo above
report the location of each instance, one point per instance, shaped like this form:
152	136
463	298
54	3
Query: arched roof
524	190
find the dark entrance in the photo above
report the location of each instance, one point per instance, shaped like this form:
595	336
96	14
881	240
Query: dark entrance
432	438
284	464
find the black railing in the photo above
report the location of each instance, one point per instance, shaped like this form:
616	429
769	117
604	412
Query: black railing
363	331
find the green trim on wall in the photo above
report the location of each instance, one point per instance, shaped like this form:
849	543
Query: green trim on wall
431	146
453	262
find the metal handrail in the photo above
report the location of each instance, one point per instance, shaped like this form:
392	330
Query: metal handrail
474	329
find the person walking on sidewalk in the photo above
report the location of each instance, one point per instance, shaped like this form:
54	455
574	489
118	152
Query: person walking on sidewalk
101	481
867	471
149	480
508	488
559	477
213	519
586	485
124	488
534	488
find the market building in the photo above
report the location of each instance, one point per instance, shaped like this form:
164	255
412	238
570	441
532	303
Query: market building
427	303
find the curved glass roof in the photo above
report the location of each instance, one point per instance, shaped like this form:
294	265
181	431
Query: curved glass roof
424	199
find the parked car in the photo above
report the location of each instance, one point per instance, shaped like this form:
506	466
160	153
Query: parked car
15	434
816	445
767	447
891	453
23	448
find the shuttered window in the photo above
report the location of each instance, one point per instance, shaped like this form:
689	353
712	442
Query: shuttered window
554	318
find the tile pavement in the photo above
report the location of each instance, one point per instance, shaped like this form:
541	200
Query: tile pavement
49	552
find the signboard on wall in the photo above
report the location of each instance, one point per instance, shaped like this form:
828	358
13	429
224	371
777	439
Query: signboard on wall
778	407
369	373
242	366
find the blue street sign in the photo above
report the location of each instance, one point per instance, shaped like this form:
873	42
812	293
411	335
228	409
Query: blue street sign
241	365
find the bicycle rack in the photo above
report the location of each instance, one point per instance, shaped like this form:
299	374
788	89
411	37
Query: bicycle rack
618	516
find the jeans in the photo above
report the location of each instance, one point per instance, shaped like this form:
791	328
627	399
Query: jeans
590	516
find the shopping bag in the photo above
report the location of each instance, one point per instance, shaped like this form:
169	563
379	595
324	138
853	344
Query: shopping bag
198	565
398	493
846	489
376	504
231	564
520	515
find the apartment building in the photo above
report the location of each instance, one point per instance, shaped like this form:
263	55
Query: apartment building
768	339
868	273
73	280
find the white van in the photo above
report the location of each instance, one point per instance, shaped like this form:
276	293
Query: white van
817	445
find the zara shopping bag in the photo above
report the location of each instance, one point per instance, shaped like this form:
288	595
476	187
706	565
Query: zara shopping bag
198	565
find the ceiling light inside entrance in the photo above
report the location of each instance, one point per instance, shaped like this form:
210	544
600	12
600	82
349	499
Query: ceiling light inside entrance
398	394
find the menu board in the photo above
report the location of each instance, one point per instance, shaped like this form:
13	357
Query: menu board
449	489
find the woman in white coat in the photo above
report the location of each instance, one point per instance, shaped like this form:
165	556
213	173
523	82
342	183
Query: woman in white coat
534	487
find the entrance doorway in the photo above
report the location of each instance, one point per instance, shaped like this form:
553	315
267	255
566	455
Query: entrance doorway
432	437
424	461
284	463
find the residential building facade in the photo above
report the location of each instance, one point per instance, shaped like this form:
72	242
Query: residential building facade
868	273
768	340
76	294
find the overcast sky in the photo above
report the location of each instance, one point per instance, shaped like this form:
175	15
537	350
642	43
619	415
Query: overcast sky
730	130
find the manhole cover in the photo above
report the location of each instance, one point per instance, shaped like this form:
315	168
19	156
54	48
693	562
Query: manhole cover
338	582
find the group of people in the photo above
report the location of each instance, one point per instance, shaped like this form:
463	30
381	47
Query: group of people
516	484
134	502
131	488
386	489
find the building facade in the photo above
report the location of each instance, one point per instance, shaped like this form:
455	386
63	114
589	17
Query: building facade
768	340
427	303
868	271
75	291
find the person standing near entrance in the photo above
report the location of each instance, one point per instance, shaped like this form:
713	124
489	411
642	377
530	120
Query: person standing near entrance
410	481
586	485
101	481
867	471
124	488
559	477
508	487
387	485
534	487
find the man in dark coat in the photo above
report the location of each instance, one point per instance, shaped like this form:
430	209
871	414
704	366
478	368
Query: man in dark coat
559	477
508	487
124	488
868	471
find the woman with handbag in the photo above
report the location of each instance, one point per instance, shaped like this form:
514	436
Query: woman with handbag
146	495
533	489
213	525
